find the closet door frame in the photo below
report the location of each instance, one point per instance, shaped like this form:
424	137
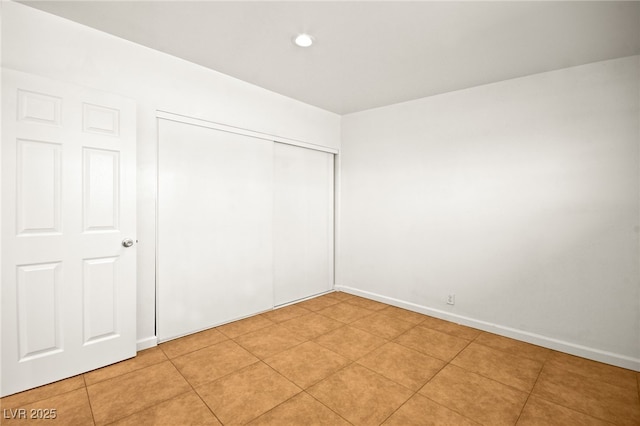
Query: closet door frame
274	139
164	115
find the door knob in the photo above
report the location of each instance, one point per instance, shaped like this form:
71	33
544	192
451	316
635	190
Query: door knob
127	242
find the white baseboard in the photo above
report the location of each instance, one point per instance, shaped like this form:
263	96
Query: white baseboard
146	343
525	336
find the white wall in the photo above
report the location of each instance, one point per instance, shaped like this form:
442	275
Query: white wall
43	44
520	197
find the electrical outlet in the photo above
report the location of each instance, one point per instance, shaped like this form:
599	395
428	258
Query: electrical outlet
451	299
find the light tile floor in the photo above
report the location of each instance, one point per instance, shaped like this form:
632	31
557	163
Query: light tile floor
337	360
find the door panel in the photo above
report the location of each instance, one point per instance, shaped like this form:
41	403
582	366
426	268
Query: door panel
100	285
39	310
101	183
68	200
38	187
39	108
214	227
303	223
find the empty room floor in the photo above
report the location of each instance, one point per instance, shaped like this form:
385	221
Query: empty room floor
339	359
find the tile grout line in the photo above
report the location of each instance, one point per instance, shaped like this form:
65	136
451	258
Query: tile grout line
326	378
530	392
224	375
492	379
507	353
432	356
489	378
242	334
558	403
352	362
126	372
86	390
342	321
195	350
366	353
452	409
446	363
154	404
343	325
325	405
302	390
192	388
416	391
147	408
167	359
29	402
576	409
273	354
407	400
319	335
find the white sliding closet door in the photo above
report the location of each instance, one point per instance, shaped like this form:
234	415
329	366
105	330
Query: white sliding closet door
303	223
215	219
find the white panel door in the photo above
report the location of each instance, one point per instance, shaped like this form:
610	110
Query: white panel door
214	227
68	201
303	223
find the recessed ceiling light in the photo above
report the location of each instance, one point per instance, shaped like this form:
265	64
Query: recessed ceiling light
303	40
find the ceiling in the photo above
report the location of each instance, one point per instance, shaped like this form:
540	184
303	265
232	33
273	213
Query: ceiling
369	54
